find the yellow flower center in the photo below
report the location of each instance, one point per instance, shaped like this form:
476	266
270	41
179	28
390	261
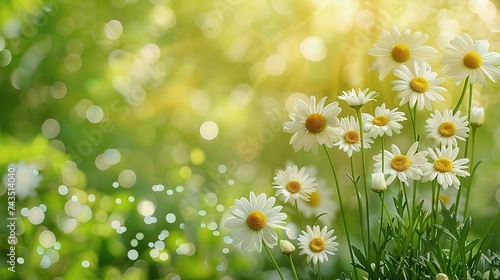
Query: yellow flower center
315	123
380	120
317	244
443	165
447	129
472	60
400	53
351	137
256	220
444	198
314	199
400	163
293	186
419	84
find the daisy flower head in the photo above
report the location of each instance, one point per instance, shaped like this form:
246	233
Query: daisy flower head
320	201
294	184
317	243
418	86
253	220
477	116
313	124
358	100
384	121
378	182
445	167
470	58
447	128
403	167
399	48
350	138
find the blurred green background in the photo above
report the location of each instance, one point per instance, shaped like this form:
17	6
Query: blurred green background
144	120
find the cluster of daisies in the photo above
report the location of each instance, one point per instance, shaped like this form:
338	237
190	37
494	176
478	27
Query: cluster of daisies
315	123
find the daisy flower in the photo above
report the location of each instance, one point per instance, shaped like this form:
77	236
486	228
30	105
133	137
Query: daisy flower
317	243
253	222
468	58
294	184
399	165
384	121
313	124
418	86
378	182
350	138
445	167
27	179
447	128
397	49
477	116
360	99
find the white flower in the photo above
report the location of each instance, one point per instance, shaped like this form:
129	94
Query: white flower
397	49
418	86
445	167
384	121
350	138
313	124
378	182
360	99
468	58
477	116
253	222
399	165
447	128
294	184
317	243
27	179
286	247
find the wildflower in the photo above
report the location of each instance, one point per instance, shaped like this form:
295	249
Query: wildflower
320	201
313	124
447	128
317	243
399	165
252	222
378	182
445	167
358	100
350	137
27	179
384	121
418	86
286	247
468	58
441	276
397	49
477	116
294	184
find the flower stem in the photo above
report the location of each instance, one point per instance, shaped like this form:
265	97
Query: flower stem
381	196
367	207
319	270
293	267
473	137
273	260
341	209
461	95
360	205
298	213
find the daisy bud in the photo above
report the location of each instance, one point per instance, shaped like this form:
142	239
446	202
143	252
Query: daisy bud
378	182
441	276
286	247
477	116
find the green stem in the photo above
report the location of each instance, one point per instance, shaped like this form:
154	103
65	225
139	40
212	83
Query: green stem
382	148
319	270
381	196
459	193
273	260
469	187
341	209
462	95
293	267
367	206
298	213
360	206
